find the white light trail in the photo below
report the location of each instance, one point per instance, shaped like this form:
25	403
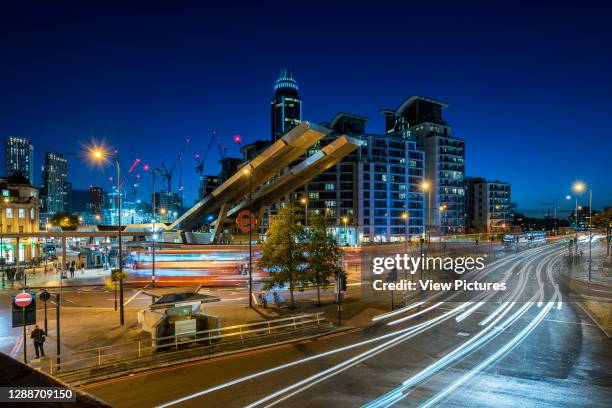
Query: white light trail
507	347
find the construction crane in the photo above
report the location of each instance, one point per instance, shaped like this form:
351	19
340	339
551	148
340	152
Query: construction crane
201	161
222	150
167	172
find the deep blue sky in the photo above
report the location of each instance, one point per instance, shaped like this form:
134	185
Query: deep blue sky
528	86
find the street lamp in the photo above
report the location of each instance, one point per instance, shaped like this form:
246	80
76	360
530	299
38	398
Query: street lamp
568	197
405	218
98	155
426	186
441	209
345	221
154	236
304	201
249	174
580	187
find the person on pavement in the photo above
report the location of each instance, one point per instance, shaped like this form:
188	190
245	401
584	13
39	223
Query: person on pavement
38	336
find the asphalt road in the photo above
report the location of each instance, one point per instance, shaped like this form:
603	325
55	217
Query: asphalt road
522	347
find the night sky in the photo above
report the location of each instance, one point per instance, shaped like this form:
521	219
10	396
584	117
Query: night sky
528	86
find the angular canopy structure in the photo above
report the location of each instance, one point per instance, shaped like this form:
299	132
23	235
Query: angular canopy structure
279	155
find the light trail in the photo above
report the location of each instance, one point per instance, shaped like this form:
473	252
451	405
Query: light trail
474	343
305	360
396	312
506	348
480	339
403	319
338	368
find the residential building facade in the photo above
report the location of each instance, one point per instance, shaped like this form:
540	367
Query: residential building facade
19	155
420	119
487	205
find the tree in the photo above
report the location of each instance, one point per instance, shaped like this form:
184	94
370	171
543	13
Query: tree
323	255
283	252
603	219
65	220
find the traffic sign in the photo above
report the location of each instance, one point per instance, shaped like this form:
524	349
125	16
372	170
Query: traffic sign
23	299
23	306
245	221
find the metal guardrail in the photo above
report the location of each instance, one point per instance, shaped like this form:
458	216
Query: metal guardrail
106	355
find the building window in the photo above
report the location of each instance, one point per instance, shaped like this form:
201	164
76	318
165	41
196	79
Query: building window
31	213
9	213
21	213
5	193
330	186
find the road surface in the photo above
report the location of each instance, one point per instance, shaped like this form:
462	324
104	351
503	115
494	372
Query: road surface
527	346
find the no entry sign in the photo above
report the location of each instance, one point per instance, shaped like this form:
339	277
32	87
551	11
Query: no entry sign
23	299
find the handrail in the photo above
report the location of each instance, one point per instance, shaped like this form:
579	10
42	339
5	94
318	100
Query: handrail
104	352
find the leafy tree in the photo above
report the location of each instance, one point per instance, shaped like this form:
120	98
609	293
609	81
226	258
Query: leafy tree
65	220
323	255
603	219
283	252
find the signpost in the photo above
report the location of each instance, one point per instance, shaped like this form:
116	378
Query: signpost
340	288
23	300
44	296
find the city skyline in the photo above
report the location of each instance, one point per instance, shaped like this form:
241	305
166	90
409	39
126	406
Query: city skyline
169	111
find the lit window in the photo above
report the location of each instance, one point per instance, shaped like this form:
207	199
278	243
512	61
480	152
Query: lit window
5	193
31	213
21	212
9	213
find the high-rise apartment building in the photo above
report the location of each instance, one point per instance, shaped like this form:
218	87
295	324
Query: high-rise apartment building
96	200
487	205
55	193
19	155
286	105
420	119
373	195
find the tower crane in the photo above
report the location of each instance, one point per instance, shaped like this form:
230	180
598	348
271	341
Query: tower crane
167	172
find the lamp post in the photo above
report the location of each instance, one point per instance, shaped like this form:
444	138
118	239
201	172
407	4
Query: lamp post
426	186
568	197
5	201
154	236
405	218
441	210
249	174
580	187
304	201
100	156
345	221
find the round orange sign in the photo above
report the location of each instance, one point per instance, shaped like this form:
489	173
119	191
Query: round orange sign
245	220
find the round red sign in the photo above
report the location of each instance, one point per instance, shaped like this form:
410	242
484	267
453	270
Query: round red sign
245	221
23	299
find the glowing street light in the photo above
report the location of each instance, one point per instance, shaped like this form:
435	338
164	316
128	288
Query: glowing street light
304	201
426	186
99	155
580	187
248	172
345	221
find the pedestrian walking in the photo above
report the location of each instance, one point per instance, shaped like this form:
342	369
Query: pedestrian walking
38	336
82	268
71	271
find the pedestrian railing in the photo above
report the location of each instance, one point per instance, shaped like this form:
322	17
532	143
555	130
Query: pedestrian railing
118	353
